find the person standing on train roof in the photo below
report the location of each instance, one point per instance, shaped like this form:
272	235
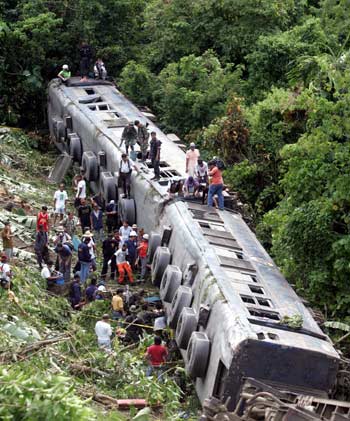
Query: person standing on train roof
129	137
65	73
100	69
216	185
85	60
192	156
155	146
201	171
142	136
125	170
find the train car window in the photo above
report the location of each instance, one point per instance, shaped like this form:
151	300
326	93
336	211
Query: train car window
264	302
89	91
103	107
92	107
239	255
264	314
247	299
220	380
256	289
273	336
261	336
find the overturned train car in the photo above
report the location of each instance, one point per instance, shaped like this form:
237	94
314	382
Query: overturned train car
223	294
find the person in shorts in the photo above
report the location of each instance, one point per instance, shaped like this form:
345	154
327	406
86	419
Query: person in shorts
60	200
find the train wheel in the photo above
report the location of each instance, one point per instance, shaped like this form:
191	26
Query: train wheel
75	148
186	325
108	185
154	242
127	210
160	262
171	281
90	166
182	298
198	354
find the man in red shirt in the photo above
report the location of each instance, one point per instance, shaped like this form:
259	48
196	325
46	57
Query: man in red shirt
216	185
156	355
43	219
142	252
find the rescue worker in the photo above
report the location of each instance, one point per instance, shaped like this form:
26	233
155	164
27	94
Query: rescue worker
129	137
132	249
142	136
123	265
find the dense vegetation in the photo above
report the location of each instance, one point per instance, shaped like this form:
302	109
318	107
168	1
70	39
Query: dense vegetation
262	83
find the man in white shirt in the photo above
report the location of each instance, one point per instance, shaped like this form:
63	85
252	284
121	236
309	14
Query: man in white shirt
201	171
49	274
103	332
5	269
125	171
81	190
192	156
60	199
124	232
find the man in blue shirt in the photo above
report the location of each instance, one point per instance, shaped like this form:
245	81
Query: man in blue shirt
91	290
132	249
84	258
75	293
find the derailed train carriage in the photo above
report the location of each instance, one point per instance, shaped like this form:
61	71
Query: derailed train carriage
222	293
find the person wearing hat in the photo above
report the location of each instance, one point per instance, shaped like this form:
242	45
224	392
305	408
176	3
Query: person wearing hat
132	249
84	257
111	216
123	265
7	240
103	332
129	136
92	248
142	255
192	156
65	73
100	293
61	237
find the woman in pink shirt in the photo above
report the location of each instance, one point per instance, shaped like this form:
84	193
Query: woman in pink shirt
216	185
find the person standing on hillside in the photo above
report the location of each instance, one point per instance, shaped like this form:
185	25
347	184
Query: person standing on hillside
43	219
155	146
97	223
80	189
59	202
7	240
64	253
129	136
111	216
41	246
84	258
216	185
84	213
192	156
85	60
156	355
142	136
104	332
123	265
109	247
142	255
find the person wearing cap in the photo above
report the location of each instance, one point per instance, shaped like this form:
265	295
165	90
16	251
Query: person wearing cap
75	292
97	222
129	136
61	237
111	216
142	139
124	232
216	185
5	269
132	249
134	228
142	255
103	332
192	156
7	240
65	73
117	305
84	257
123	265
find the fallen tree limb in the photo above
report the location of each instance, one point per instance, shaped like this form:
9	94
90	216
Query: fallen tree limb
84	369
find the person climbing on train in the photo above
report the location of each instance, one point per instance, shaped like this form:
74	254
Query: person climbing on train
142	136
124	232
85	60
142	256
191	187
84	214
131	244
216	185
192	156
123	265
155	146
129	137
65	73
100	69
43	219
125	170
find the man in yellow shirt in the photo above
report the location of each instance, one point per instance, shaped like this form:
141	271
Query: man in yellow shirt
117	305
